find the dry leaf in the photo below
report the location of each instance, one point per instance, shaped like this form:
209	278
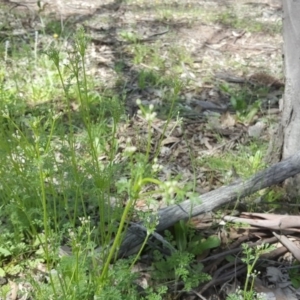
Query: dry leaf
227	120
170	140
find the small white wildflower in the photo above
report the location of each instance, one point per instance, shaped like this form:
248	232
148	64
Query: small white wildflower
157	167
5	113
171	186
71	233
84	220
138	102
151	107
17	158
150	116
55	181
16	135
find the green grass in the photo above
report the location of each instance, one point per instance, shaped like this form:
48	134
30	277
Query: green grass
55	190
248	161
237	21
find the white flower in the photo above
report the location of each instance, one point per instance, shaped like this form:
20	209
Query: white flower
150	116
171	186
156	167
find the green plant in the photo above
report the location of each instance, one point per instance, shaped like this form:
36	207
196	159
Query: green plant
240	295
49	182
138	173
156	293
147	78
166	15
294	273
44	132
230	165
241	20
141	53
186	239
180	265
245	103
251	257
129	36
178	268
273	195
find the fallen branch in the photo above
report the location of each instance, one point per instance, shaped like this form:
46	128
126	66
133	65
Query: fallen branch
170	215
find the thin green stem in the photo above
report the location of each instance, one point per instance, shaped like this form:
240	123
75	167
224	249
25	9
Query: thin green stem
140	251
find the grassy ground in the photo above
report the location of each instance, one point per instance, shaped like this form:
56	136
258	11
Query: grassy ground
108	118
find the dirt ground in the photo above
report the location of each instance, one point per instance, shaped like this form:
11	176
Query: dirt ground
214	46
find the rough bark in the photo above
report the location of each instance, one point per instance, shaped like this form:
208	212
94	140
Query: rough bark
209	201
291	101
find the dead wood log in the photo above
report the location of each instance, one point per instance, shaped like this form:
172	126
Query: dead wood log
170	215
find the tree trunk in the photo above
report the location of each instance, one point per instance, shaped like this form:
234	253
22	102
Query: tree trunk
291	101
